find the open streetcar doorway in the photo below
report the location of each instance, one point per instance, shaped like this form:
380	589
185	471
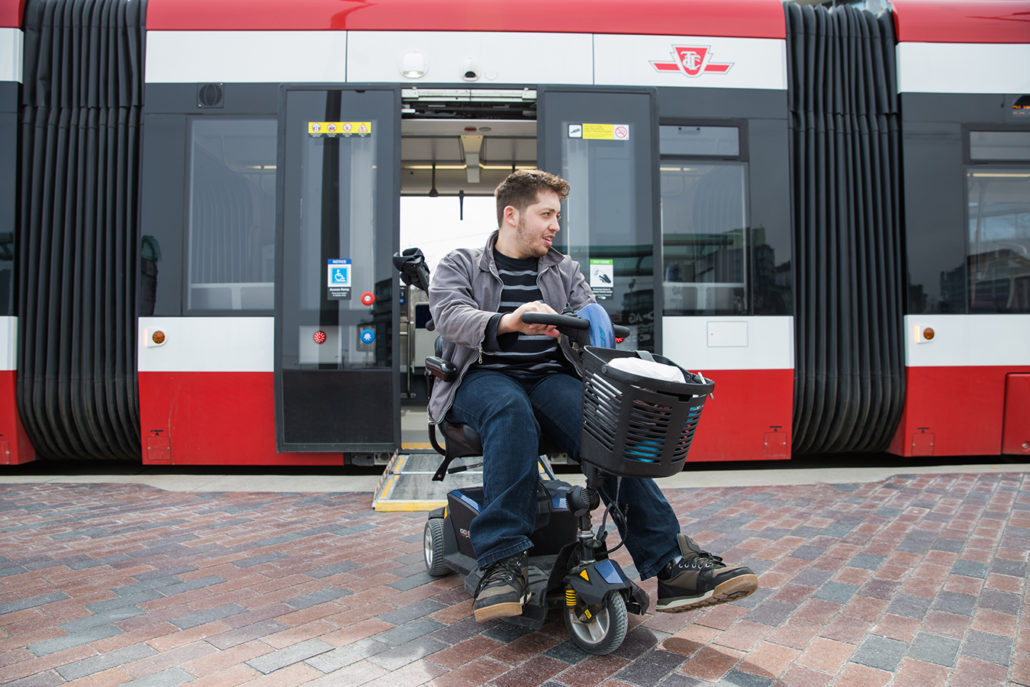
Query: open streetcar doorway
456	147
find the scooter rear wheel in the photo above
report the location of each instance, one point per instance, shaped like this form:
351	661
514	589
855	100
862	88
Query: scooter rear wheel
603	632
433	548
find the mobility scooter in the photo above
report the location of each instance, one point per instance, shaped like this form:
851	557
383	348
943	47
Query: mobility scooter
633	426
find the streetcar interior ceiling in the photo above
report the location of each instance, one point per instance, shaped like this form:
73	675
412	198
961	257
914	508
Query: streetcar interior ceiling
447	155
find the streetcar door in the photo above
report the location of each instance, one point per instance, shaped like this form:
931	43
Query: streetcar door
336	303
605	144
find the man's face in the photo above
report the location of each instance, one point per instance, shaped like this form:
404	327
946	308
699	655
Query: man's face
536	226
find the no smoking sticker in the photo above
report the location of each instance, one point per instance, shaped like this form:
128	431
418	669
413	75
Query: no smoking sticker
600	132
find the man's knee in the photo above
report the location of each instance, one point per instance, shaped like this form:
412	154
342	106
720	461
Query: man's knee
510	408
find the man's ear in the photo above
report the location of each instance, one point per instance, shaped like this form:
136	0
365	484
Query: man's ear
511	215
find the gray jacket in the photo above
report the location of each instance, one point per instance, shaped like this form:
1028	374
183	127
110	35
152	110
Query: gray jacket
465	293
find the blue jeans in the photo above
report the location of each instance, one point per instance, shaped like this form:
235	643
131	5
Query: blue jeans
509	413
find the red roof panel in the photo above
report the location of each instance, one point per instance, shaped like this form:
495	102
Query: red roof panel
744	18
10	13
962	21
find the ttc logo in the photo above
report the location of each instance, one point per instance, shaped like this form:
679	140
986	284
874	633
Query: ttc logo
692	61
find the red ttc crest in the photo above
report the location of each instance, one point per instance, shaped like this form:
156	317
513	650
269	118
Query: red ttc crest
692	60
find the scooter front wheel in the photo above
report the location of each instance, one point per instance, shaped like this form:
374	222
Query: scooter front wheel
433	548
598	629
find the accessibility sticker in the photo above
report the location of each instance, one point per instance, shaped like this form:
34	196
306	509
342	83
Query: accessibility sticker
338	279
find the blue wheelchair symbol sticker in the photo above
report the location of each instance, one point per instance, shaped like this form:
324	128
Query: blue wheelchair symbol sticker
367	336
339	272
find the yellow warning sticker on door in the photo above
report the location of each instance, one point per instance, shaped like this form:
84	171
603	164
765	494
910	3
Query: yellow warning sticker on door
606	132
339	128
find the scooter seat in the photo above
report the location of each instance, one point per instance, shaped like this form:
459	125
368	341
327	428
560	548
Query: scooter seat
462	440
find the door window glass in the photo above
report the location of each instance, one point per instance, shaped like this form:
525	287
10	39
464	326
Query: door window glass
232	214
704	237
335	247
998	239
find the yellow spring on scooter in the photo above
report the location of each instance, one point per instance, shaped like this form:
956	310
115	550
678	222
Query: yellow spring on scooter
570	597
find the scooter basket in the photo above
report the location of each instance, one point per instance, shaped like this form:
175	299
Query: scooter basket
636	426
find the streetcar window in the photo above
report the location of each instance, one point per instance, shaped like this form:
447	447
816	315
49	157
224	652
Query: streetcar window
232	214
704	239
999	239
699	141
999	145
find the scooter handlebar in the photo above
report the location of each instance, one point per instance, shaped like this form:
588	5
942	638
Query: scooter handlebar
569	322
566	321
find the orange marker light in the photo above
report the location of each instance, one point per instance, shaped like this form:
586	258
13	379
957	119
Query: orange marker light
928	333
158	337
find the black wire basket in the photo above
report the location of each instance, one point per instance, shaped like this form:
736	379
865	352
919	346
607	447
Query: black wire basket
636	426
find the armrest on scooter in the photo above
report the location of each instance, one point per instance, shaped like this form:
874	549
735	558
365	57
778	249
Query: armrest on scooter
441	369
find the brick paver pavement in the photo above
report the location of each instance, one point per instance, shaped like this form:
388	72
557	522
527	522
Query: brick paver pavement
915	580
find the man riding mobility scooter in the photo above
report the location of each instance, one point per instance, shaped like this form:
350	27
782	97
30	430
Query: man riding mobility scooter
634	425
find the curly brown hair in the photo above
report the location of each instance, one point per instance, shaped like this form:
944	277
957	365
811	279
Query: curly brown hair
519	189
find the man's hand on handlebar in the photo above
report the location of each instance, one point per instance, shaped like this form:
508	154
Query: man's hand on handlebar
512	322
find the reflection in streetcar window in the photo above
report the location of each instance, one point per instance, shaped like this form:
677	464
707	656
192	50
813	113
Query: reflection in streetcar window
232	214
704	241
998	240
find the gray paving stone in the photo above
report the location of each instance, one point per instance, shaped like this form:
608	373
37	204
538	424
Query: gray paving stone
934	649
402	634
411	612
105	617
319	597
837	592
105	661
1004	602
123	601
651	668
239	635
412	581
949	545
739	678
953	602
771	612
567	652
1004	566
191	585
343	656
867	561
970	569
910	606
880	652
165	572
90	562
85	636
678	680
336	568
917	541
988	647
258	560
812	577
32	602
201	617
808	552
287	656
